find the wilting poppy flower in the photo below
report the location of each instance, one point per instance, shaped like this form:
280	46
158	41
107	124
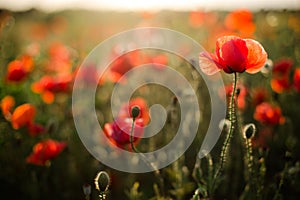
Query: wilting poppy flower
7	104
44	151
297	79
240	21
268	114
125	111
23	115
280	75
241	97
234	54
17	70
119	131
47	86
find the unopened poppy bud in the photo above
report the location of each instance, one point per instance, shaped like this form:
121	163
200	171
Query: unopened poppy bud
102	181
135	111
267	67
86	189
249	130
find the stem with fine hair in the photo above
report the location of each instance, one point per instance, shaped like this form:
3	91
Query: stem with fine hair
231	129
156	171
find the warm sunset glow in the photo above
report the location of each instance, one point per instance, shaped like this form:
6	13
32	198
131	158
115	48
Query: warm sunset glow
149	5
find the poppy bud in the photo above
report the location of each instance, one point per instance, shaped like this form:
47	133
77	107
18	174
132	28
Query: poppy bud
224	124
102	181
249	130
135	111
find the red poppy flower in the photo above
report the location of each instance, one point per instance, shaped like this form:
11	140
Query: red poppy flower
297	79
280	75
35	129
268	114
259	95
262	138
240	21
7	104
128	61
59	59
23	115
125	111
89	75
44	151
17	70
234	54
119	131
159	61
47	86
280	85
123	64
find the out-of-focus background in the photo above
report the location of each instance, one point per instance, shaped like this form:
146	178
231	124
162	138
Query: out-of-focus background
43	43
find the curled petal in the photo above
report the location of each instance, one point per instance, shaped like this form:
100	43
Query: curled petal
257	56
208	64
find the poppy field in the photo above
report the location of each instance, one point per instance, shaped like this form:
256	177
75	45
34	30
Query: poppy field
257	155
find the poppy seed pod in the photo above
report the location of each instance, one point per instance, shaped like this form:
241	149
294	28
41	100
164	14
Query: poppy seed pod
249	131
102	181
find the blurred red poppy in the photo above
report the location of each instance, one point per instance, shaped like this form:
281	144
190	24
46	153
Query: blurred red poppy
280	81
259	95
119	131
17	70
297	79
268	114
126	62
196	18
59	59
44	151
88	75
125	111
7	104
234	54
47	86
122	65
23	115
240	21
262	138
35	129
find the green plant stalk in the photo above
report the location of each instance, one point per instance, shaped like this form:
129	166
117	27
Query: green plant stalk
102	196
156	171
252	175
231	129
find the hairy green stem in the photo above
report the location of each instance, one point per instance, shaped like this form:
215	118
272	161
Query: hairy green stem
231	129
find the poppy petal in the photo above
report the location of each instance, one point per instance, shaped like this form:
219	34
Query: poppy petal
208	64
257	56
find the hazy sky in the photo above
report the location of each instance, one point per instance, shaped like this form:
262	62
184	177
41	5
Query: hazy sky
149	4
